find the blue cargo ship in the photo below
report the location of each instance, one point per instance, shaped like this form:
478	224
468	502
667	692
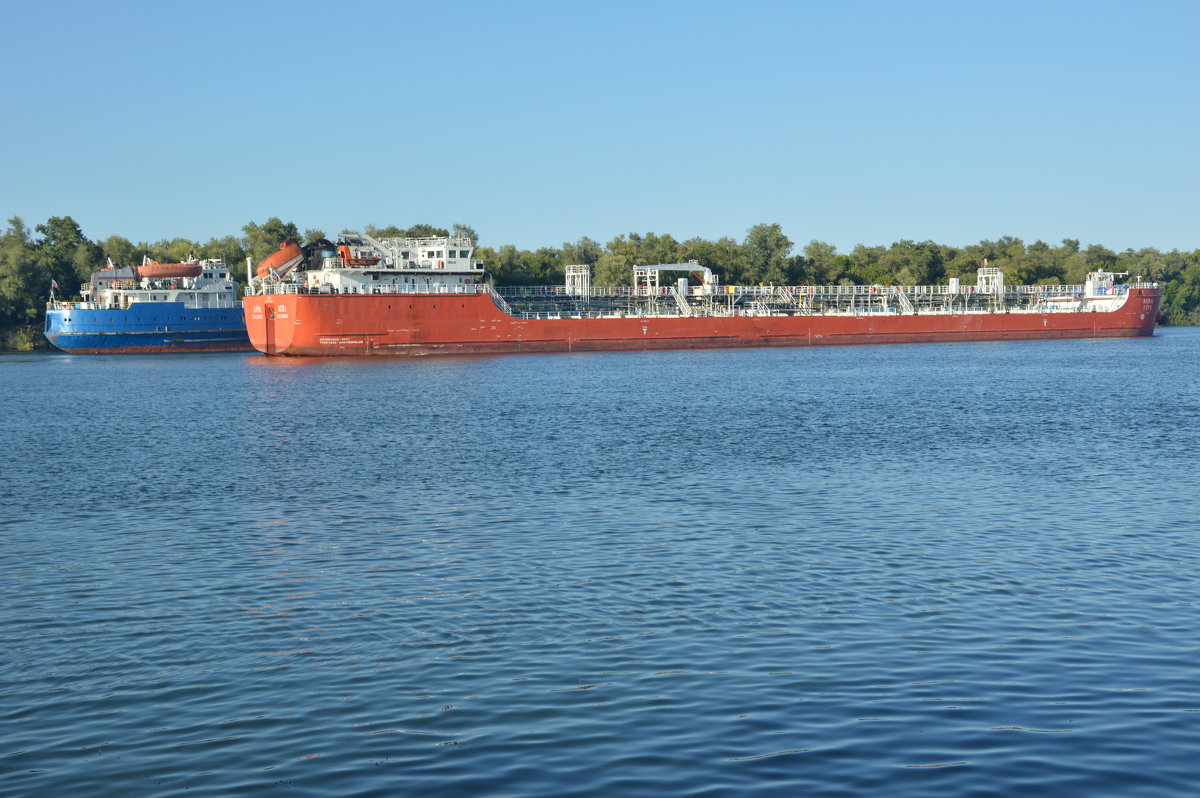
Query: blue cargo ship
155	307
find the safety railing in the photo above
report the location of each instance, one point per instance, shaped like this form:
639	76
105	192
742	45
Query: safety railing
905	296
422	264
218	304
499	300
797	290
269	289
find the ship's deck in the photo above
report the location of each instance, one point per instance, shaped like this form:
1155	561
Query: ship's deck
555	302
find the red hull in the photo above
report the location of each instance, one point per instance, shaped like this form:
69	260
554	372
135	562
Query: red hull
434	324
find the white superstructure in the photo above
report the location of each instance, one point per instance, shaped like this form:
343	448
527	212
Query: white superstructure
119	287
360	264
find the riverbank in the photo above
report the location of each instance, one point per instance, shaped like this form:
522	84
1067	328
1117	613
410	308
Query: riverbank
25	338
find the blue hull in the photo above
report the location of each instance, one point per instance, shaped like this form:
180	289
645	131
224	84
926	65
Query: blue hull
148	327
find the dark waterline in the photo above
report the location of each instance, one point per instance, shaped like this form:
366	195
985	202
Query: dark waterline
965	569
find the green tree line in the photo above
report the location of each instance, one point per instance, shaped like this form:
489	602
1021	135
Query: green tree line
58	250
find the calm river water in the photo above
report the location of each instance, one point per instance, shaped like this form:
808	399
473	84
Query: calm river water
954	570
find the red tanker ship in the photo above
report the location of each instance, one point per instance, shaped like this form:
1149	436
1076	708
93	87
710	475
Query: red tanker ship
427	296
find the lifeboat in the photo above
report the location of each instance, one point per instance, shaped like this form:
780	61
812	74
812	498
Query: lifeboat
282	260
350	260
155	270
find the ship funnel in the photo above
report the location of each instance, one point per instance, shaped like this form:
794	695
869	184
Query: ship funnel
282	260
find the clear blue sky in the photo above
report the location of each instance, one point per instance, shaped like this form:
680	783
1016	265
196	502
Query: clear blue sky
540	122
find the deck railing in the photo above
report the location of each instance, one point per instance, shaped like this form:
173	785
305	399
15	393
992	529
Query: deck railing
268	289
815	291
60	305
410	265
733	300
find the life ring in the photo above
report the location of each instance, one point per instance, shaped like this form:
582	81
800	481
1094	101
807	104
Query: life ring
441	264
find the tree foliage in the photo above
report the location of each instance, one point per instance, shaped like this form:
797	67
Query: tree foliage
465	231
121	251
65	254
766	251
23	280
584	251
262	240
58	251
229	249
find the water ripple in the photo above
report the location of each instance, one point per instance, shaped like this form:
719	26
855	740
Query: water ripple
613	574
